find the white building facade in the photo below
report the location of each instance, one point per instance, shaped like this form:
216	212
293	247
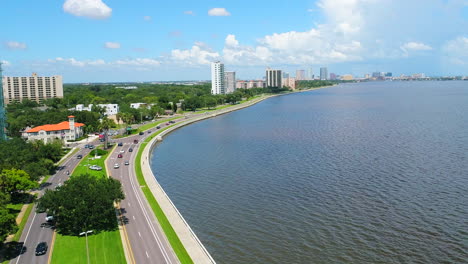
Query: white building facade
34	88
230	81
274	78
217	78
111	109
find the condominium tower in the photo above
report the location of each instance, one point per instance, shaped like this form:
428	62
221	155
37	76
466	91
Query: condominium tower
34	88
323	73
217	78
2	109
230	81
273	78
300	75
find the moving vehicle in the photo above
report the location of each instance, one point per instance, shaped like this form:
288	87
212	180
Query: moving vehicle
116	166
41	248
126	162
68	172
135	141
119	156
91	146
122	151
141	133
167	124
120	144
49	218
172	122
149	131
79	156
158	127
130	150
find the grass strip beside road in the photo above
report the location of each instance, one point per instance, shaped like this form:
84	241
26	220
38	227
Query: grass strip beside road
151	125
171	235
24	220
105	247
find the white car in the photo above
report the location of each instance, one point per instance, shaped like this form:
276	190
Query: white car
116	166
122	151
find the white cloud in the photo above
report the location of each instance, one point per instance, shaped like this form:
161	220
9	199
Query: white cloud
112	45
14	45
195	56
415	46
189	12
218	11
144	62
138	62
5	63
147	18
95	9
456	50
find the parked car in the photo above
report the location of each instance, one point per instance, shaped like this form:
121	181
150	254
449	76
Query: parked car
126	162
41	248
120	144
116	166
130	150
95	167
79	156
119	156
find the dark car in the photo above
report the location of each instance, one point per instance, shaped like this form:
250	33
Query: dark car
172	121
91	146
79	156
120	144
135	141
149	131
167	124
119	156
86	146
41	248
158	127
130	150
141	133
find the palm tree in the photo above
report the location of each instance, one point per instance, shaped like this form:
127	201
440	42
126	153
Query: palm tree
105	124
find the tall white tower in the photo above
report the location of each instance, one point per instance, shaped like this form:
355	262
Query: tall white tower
217	78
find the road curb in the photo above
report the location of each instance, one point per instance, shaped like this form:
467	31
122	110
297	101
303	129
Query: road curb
49	259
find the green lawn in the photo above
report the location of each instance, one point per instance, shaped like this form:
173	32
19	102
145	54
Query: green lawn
105	247
151	125
171	235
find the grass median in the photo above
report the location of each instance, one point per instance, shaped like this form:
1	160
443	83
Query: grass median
171	235
104	247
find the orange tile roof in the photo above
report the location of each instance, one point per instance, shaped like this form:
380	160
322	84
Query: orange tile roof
65	125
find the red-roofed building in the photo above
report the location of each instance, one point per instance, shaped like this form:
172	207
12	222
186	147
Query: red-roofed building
67	130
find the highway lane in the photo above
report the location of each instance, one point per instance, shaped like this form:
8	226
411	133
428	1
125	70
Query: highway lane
148	242
36	230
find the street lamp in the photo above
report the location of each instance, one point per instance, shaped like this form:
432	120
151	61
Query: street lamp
87	249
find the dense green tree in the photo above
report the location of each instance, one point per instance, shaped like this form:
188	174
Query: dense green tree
83	203
15	181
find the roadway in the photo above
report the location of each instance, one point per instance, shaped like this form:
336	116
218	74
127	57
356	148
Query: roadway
36	229
147	239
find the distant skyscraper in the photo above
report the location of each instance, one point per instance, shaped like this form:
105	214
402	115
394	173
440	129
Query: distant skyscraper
300	75
332	76
310	74
376	74
217	78
273	78
388	74
2	109
35	88
230	81
323	73
285	75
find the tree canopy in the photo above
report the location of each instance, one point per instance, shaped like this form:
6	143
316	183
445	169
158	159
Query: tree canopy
83	203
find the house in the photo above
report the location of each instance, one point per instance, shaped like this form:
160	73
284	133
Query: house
67	130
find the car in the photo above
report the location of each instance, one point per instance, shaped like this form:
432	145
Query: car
86	146
95	167
116	166
130	150
91	146
119	156
135	141
172	121
41	248
122	151
149	131
158	127
126	162
79	156
120	144
141	133
49	218
167	124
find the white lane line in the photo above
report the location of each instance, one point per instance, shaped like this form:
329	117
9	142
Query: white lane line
150	224
139	233
26	238
129	205
147	254
134	219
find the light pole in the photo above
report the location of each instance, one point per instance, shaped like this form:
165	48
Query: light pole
87	249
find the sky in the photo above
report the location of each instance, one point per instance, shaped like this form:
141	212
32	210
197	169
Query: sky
148	40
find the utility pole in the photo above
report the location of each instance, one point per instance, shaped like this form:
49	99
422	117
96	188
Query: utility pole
2	108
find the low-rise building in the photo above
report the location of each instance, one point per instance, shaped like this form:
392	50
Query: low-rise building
111	109
67	130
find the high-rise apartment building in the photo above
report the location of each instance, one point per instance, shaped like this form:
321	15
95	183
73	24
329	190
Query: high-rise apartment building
35	88
230	81
217	78
323	73
2	109
310	74
300	75
273	78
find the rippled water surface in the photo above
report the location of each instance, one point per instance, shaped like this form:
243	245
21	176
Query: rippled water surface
358	173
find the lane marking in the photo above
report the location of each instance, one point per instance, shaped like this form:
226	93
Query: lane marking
147	254
133	217
129	205
139	233
26	239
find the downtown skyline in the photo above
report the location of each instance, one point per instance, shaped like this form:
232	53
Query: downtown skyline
105	41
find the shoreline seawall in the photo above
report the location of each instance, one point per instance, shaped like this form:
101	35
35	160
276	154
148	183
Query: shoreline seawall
187	236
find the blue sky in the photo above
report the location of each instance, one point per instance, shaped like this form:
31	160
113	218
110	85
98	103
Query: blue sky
143	40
